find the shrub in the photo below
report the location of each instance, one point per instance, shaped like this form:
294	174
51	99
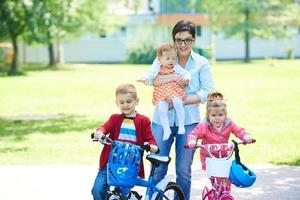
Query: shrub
203	52
143	54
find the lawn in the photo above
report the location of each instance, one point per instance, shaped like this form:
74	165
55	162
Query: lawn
46	116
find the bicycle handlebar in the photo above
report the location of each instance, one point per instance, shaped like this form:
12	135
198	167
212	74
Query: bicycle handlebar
108	141
211	155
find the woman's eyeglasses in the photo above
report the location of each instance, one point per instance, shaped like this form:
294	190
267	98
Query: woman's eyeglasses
187	41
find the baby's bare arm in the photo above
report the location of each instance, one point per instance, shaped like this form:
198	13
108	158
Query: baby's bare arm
162	79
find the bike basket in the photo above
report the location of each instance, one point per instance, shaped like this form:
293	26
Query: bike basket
123	164
217	167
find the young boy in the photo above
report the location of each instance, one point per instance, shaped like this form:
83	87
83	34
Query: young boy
128	126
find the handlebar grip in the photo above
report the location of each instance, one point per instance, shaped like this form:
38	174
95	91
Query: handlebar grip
146	146
252	141
93	137
158	151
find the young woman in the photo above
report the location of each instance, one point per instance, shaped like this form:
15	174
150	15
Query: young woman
197	89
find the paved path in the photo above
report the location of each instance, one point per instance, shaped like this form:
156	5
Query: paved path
73	182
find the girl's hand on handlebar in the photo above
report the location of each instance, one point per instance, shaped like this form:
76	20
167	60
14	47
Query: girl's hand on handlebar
251	141
248	139
192	143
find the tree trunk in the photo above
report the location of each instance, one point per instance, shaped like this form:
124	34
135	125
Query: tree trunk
59	52
247	46
14	65
213	47
247	36
51	55
24	52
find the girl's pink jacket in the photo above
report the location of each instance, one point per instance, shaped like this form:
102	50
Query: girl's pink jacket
209	135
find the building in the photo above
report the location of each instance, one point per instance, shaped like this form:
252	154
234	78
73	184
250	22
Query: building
152	23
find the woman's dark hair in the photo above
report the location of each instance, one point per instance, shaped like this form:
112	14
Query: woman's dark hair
183	25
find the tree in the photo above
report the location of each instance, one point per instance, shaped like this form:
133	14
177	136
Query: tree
52	21
254	18
14	21
38	21
99	16
215	10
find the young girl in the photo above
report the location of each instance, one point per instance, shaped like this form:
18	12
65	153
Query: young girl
170	91
216	128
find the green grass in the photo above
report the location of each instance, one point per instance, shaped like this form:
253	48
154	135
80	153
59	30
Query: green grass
46	116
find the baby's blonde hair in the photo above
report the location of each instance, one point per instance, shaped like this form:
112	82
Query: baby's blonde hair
126	88
165	48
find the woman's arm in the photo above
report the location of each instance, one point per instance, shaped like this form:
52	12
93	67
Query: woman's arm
191	100
206	83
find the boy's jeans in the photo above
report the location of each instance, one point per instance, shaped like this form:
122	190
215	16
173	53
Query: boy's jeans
100	185
184	157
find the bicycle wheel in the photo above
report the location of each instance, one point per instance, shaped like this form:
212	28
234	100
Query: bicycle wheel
226	197
207	194
172	191
110	196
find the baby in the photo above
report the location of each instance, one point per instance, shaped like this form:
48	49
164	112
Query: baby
169	91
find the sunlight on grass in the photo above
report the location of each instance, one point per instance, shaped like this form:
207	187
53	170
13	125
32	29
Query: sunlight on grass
263	97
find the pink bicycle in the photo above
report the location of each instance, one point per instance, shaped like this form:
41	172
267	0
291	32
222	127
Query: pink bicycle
221	171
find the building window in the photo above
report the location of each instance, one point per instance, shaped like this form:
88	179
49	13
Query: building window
198	31
150	6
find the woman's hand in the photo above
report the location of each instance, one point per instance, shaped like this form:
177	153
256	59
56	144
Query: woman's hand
183	81
191	100
170	103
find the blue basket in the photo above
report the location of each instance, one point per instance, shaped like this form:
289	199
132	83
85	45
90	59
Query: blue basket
124	164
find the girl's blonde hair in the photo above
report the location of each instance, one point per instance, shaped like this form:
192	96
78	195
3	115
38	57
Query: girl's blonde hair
215	96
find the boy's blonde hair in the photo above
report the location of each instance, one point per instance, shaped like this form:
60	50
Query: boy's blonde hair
164	48
126	88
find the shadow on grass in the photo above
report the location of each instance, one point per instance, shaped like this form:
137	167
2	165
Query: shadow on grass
22	71
20	128
295	162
